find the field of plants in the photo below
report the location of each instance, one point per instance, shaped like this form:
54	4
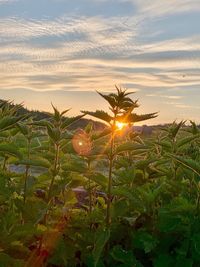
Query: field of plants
98	198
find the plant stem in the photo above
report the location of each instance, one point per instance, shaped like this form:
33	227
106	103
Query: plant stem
109	196
27	169
56	162
90	191
173	161
5	162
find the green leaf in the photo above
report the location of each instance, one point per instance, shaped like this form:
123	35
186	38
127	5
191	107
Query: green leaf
10	149
8	122
188	163
69	121
7	261
56	114
163	260
99	114
195	129
75	165
175	128
129	146
42	123
100	241
184	262
167	145
120	208
123	256
120	100
136	118
54	134
36	162
98	178
90	262
111	99
186	140
124	192
65	111
145	241
23	128
102	134
168	223
195	243
142	164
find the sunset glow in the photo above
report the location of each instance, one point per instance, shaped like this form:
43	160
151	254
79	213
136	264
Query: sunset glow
120	125
63	51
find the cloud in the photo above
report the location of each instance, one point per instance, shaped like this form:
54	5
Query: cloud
182	106
69	67
173	96
7	1
85	53
157	8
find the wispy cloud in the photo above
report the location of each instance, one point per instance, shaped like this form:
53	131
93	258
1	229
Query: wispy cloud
157	8
7	1
74	52
173	96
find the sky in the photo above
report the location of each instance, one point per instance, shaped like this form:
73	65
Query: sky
62	51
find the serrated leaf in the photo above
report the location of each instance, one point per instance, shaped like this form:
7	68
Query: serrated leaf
99	114
174	129
56	114
54	133
129	146
69	121
11	150
142	164
100	241
186	140
36	162
42	123
145	241
98	178
23	128
102	134
188	163
75	165
132	118
8	122
165	144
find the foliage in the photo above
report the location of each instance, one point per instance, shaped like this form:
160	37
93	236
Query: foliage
98	198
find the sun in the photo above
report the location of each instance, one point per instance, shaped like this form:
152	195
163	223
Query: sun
120	125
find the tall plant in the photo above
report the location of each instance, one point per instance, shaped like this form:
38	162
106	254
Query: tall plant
57	134
9	118
121	107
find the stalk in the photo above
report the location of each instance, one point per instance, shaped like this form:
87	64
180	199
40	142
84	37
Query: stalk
109	196
5	162
173	161
198	193
56	162
27	170
90	191
198	204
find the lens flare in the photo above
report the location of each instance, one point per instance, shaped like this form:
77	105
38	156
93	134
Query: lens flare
81	143
120	125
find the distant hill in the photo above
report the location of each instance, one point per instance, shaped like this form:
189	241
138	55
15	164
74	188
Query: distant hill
82	123
40	115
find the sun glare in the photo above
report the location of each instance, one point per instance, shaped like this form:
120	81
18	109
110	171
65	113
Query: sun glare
120	125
